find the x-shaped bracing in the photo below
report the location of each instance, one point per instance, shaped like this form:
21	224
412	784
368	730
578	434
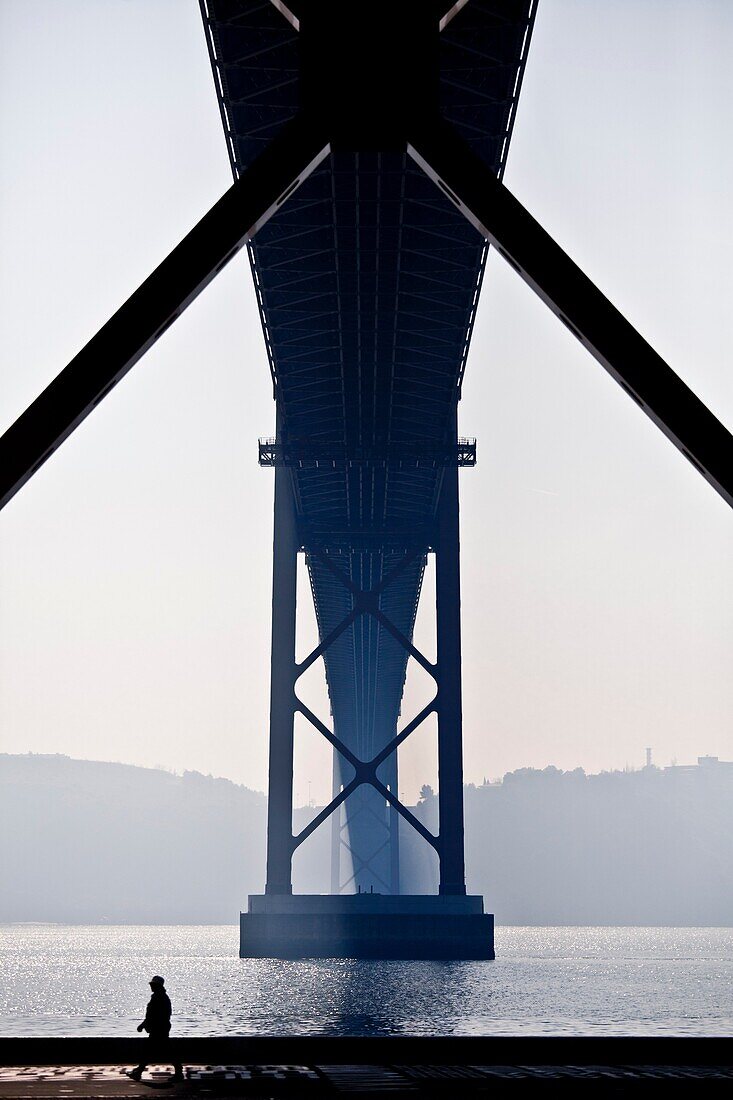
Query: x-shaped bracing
365	771
365	863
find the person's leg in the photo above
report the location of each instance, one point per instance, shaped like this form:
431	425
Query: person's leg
163	1055
155	1052
138	1071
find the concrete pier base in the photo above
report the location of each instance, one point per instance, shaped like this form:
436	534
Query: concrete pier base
366	926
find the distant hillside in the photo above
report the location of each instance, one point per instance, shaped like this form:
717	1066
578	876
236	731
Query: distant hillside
653	846
89	842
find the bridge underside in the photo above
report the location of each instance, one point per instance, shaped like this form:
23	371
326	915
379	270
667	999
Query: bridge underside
367	281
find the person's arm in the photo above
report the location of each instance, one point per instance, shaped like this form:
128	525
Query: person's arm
144	1026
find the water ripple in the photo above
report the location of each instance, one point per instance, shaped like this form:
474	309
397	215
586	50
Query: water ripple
70	980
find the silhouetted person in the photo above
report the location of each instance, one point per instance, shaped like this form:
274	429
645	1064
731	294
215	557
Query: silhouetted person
157	1023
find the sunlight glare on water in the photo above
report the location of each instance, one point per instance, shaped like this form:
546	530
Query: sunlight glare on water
73	980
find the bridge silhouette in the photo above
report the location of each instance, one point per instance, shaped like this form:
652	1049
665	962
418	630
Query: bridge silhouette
367	158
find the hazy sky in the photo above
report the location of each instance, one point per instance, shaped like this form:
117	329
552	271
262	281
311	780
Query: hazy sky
135	567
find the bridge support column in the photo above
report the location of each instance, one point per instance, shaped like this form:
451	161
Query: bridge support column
282	682
394	828
449	705
336	828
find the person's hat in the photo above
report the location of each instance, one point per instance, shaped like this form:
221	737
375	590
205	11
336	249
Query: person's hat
157	980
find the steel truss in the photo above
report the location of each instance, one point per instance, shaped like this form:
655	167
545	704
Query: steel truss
378	94
285	703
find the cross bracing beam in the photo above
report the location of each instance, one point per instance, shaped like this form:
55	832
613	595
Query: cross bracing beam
92	374
366	862
577	302
286	703
446	703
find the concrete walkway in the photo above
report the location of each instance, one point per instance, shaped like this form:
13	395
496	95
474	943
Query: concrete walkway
300	1081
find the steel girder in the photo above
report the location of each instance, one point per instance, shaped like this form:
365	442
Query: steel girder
582	307
158	302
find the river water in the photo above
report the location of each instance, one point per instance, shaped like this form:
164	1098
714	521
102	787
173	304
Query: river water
72	980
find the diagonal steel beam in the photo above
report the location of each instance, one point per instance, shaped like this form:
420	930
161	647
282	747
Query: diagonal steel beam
325	813
404	642
339	574
327	642
133	329
332	739
365	865
433	841
397	571
285	11
396	741
345	579
580	305
451	13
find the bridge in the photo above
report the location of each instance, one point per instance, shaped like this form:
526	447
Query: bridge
367	161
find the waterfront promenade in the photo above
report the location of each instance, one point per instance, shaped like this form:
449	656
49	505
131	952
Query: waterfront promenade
398	1065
